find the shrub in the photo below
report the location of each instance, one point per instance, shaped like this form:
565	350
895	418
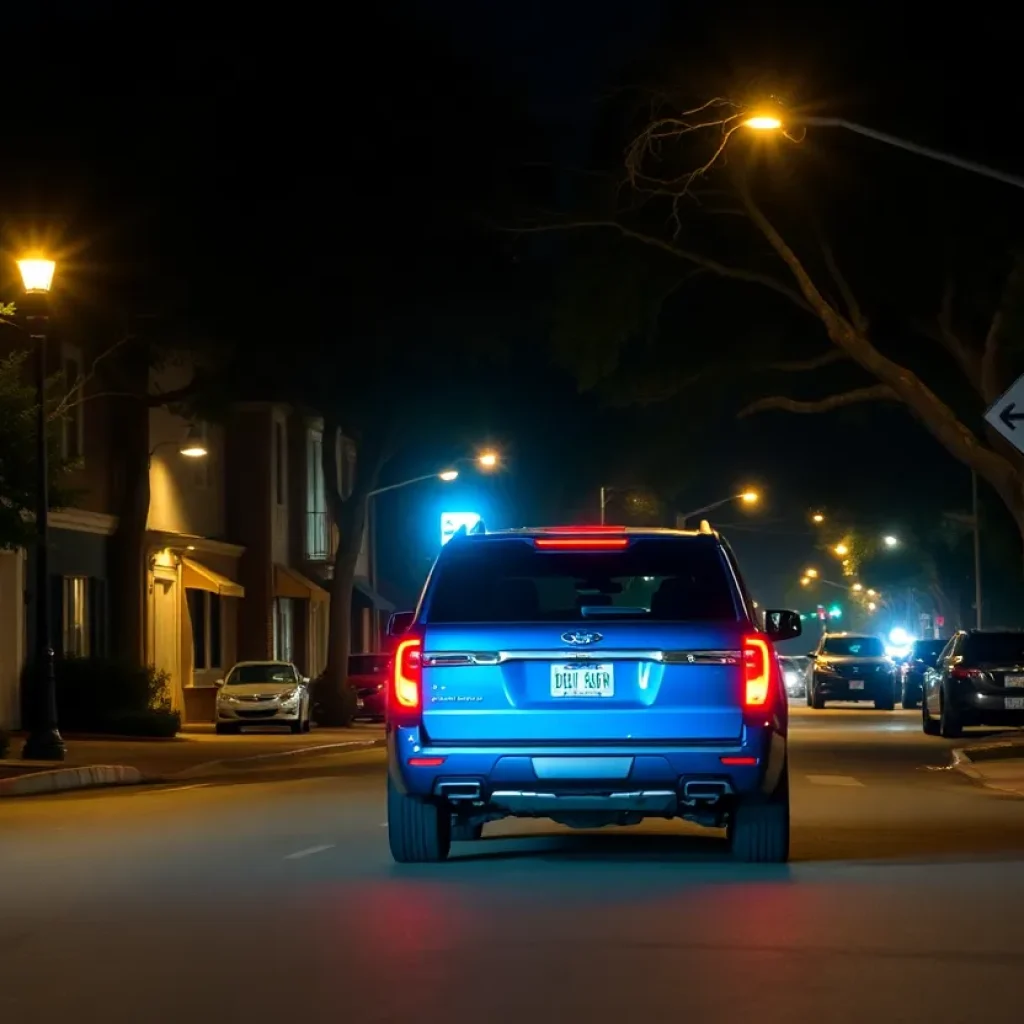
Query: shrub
108	696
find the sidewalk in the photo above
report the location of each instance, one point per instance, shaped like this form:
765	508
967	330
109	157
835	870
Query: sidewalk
196	751
997	763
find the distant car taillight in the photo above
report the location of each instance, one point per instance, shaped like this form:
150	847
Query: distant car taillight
406	697
758	669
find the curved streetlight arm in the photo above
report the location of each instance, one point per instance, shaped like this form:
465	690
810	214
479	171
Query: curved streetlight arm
403	483
711	507
912	147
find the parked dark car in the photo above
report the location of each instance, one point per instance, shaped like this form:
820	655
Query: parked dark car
978	679
368	674
922	657
852	667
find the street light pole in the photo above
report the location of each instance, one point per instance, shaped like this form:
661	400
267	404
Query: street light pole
748	497
44	741
604	503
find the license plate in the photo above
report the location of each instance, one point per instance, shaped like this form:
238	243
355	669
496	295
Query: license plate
856	684
582	681
1014	682
1015	703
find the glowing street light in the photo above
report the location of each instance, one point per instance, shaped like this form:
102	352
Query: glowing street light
858	587
763	123
817	519
448	475
194	446
811	573
872	593
890	541
487	459
841	550
36	274
872	606
805	581
750	497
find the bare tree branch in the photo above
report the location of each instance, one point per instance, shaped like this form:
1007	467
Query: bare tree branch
874	393
853	307
699	260
816	363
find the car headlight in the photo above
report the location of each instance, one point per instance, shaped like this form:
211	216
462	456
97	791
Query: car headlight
288	696
225	698
792	678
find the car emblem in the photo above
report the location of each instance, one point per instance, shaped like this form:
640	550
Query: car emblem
580	637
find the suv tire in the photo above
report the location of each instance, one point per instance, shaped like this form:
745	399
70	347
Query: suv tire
907	702
759	829
418	832
817	700
928	724
951	726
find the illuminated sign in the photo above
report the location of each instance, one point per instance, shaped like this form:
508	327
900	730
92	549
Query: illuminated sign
452	522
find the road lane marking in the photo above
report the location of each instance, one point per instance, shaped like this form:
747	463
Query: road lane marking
834	780
309	851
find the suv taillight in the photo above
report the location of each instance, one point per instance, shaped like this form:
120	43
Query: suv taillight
758	672
406	697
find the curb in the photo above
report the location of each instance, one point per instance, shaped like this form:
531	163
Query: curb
965	764
64	779
962	763
232	763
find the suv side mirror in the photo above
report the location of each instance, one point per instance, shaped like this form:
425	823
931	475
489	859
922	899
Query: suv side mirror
400	622
781	624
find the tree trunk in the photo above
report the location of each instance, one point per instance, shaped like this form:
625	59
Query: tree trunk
337	702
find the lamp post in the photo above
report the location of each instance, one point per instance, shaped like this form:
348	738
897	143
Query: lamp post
44	741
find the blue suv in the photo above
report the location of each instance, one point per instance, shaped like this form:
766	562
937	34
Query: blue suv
592	675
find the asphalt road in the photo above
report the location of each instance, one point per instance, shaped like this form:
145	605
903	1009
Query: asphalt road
274	899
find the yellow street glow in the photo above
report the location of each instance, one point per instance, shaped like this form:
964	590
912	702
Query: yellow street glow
872	606
858	586
817	518
763	123
805	581
448	475
811	573
750	497
36	274
488	459
841	549
194	451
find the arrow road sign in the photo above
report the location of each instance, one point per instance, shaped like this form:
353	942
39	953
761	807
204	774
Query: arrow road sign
1007	415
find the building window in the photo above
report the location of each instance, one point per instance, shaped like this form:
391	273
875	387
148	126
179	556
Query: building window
72	426
316	502
279	461
204	610
75	631
283	628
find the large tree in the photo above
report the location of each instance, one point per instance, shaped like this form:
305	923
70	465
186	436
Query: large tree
705	200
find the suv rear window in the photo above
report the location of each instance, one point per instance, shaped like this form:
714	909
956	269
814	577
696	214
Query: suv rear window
510	581
999	648
854	646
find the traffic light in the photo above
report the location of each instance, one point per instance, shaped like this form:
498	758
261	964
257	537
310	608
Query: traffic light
822	614
835	612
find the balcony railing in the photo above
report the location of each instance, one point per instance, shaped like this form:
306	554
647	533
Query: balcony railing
316	536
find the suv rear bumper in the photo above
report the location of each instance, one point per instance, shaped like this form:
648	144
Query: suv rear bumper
527	779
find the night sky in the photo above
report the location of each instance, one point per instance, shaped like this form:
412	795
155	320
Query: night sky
190	149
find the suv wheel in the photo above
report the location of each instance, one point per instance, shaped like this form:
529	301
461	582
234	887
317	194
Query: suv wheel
908	703
928	724
759	830
418	832
951	726
817	699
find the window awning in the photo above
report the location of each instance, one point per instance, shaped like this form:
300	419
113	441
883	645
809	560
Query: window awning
197	576
289	583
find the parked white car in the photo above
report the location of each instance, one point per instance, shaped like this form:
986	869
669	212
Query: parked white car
263	693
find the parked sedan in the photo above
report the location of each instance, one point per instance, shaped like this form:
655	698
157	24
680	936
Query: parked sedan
852	667
263	693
